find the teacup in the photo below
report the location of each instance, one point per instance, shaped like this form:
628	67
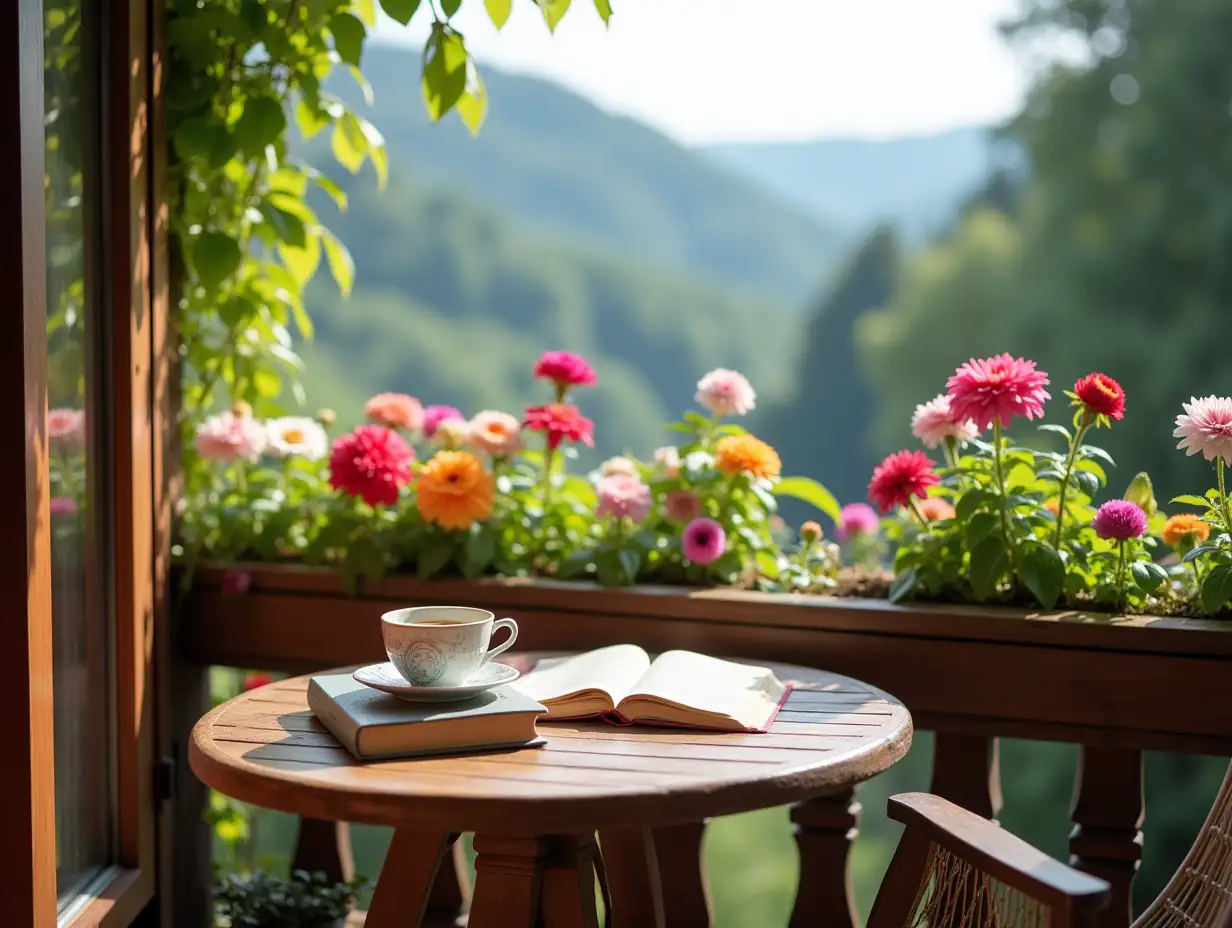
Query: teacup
442	645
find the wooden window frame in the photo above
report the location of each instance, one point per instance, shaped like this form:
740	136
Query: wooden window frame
140	392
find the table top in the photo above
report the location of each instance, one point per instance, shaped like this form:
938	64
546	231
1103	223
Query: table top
265	747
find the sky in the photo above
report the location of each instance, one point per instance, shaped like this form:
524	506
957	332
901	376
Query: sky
705	71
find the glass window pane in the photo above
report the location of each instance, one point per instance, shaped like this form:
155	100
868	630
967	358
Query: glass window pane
78	441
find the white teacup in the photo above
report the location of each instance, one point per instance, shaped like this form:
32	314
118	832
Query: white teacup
442	645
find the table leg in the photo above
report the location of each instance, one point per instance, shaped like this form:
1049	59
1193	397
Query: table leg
632	868
508	880
568	889
407	876
686	897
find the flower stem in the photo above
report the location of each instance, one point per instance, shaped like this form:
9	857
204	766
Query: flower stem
549	454
1121	602
1069	469
999	472
1223	496
1197	572
949	448
915	508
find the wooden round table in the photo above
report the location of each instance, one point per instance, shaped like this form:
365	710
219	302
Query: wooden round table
535	812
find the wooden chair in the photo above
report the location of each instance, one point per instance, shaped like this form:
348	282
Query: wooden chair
954	869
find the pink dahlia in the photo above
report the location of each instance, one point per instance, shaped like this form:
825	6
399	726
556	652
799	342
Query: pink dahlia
682	506
933	423
623	496
726	393
395	411
667	462
372	462
901	476
66	428
989	390
560	422
228	437
1206	426
433	416
857	519
1119	519
704	541
565	369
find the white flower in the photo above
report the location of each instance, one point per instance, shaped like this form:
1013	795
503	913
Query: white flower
932	423
497	434
451	434
296	436
667	462
726	393
1206	426
619	466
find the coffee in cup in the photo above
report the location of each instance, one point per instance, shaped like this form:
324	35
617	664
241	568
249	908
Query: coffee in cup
442	645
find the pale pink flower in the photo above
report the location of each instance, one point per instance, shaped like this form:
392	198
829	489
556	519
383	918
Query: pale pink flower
667	462
726	393
227	437
451	434
623	496
1206	426
682	505
618	466
933	423
66	428
988	390
433	416
395	411
497	434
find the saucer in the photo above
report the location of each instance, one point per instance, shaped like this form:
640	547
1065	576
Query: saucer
385	678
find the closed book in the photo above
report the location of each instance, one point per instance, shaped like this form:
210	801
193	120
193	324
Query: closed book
373	725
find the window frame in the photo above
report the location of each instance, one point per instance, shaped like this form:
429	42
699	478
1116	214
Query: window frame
139	389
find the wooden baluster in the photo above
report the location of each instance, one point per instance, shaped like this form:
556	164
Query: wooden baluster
686	896
409	874
568	892
508	879
967	771
324	847
1106	840
825	828
631	866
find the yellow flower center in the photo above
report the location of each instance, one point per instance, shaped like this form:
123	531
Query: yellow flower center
293	436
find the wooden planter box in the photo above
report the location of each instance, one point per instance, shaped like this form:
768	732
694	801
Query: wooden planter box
1135	682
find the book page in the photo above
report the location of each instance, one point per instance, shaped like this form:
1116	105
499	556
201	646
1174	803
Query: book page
587	683
685	688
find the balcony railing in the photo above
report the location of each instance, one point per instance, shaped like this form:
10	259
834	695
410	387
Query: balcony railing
1115	686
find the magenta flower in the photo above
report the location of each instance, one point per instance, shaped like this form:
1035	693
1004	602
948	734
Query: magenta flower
433	416
996	389
235	582
623	496
857	519
565	369
62	507
704	541
1119	520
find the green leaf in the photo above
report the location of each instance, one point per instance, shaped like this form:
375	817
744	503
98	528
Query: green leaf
605	10
1217	588
988	565
1199	551
812	492
1190	500
336	193
1058	429
553	11
1042	572
980	526
341	264
727	568
215	257
1087	482
574	565
366	10
261	123
433	556
309	120
480	550
302	262
444	71
289	228
472	106
970	501
400	10
1147	575
203	139
1090	451
348	143
498	11
349	34
617	566
904	585
449	7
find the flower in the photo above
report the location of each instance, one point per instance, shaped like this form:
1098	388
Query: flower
1119	519
372	463
997	389
565	369
667	462
394	411
933	423
726	393
811	532
235	582
857	519
229	437
241	409
901	476
296	435
434	415
1206	426
451	434
326	416
623	496
66	428
1181	530
254	680
498	434
1101	395
682	505
560	421
454	490
1053	506
63	507
745	454
704	541
934	508
619	465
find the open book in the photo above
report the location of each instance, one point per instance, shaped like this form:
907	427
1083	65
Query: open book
620	684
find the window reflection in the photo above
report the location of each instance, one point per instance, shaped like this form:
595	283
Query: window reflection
79	591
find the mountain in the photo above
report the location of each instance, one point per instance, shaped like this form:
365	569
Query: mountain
553	162
912	183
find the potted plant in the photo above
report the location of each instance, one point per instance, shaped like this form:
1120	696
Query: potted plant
263	900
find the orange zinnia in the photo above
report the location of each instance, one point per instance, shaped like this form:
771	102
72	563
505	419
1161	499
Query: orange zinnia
935	508
454	490
1185	527
744	454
